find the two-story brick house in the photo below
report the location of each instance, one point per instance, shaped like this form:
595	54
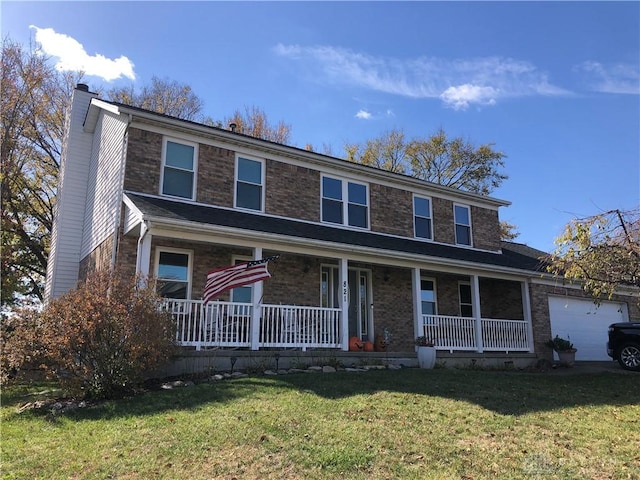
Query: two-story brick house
363	252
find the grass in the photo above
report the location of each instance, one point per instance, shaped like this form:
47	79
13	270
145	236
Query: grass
406	424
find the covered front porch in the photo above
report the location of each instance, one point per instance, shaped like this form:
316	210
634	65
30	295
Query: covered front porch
233	325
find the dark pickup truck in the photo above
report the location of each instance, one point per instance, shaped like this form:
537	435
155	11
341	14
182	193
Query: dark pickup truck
624	344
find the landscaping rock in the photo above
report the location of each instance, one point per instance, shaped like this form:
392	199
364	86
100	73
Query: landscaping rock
328	369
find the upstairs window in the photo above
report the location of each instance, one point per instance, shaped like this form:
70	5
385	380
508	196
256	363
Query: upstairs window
249	184
462	219
178	173
172	272
344	202
422	217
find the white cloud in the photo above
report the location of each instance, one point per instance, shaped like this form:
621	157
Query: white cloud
458	83
619	78
461	96
363	114
72	56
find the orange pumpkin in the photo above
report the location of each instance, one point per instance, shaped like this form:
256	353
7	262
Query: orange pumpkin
380	345
368	346
355	344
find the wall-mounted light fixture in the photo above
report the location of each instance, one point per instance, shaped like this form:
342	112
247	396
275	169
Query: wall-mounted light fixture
387	275
306	266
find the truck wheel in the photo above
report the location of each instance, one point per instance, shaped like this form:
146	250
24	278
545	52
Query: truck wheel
629	356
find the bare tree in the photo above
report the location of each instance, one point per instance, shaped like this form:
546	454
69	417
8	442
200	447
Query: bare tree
457	163
254	122
165	96
386	152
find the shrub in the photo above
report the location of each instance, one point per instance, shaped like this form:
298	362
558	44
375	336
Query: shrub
22	344
99	339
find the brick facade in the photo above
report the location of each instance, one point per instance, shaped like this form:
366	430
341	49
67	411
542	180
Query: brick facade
144	159
485	228
216	174
292	191
98	259
393	306
443	227
391	210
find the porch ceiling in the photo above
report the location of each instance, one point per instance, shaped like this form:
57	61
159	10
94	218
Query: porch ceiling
158	209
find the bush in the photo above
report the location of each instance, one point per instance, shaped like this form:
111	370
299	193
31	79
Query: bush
97	340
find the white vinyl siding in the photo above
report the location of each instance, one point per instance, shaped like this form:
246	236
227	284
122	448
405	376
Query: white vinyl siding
104	189
66	236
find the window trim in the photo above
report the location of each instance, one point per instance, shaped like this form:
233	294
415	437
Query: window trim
460	303
435	294
345	201
455	225
166	139
189	253
236	180
415	233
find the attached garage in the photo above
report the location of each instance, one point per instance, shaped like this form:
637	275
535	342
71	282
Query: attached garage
585	324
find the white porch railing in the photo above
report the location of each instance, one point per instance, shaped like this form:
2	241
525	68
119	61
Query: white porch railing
220	324
461	333
304	327
227	324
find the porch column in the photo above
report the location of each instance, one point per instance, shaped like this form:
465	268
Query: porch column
526	312
143	255
256	311
416	284
343	265
475	302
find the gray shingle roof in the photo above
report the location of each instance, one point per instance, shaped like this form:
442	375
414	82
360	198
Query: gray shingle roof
513	255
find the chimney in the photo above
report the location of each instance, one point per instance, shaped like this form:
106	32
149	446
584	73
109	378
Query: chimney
83	87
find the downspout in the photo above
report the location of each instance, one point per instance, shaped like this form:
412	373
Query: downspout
119	197
144	228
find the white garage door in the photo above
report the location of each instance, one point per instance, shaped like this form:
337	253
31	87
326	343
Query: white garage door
585	324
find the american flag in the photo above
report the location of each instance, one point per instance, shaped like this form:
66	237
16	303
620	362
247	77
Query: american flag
222	279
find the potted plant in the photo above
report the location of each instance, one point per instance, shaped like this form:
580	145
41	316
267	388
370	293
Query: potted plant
565	350
426	352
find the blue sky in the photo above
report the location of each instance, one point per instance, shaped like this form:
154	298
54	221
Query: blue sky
554	85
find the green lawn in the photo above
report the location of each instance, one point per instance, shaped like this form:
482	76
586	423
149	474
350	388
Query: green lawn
411	423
